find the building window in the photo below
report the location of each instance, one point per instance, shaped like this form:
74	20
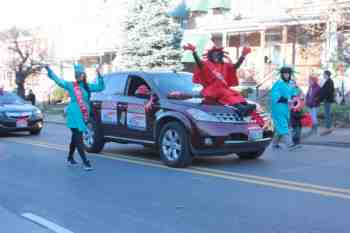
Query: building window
234	41
273	36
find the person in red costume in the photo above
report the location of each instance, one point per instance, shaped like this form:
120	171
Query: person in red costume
217	76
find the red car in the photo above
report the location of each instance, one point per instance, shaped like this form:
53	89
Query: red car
175	121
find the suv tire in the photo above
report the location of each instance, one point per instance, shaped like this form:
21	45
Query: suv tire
93	138
250	155
174	145
35	131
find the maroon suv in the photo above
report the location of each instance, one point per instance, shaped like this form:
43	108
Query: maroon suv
176	122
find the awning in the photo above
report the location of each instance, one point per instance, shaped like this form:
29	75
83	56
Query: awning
223	4
200	5
199	40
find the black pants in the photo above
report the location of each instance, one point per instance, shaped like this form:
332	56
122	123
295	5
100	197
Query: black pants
296	126
296	132
77	143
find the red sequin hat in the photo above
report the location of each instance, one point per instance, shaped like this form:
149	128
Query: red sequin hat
214	49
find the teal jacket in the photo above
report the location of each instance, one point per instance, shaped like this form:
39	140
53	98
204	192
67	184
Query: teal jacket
280	111
75	119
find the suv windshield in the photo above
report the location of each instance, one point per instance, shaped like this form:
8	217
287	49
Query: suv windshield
182	83
9	98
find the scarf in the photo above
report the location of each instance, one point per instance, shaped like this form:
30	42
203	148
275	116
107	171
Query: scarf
79	94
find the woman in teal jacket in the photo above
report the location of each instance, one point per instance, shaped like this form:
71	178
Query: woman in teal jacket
78	110
281	94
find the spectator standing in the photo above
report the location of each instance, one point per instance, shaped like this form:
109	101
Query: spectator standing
327	97
31	97
312	101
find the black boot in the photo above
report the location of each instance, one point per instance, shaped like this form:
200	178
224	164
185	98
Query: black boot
71	161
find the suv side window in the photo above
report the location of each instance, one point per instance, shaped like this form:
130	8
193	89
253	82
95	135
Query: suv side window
134	83
115	84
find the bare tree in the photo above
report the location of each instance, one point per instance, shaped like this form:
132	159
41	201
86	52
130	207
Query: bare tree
24	55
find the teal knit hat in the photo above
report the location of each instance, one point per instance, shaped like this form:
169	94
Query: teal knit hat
79	68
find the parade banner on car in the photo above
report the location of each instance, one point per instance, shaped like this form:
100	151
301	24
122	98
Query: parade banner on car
109	116
136	117
109	113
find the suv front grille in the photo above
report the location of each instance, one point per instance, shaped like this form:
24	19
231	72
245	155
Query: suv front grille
235	118
226	117
16	115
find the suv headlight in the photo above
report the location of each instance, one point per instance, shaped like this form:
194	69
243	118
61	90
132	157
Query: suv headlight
202	116
37	113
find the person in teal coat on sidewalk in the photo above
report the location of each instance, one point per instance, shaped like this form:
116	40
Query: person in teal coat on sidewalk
281	95
79	108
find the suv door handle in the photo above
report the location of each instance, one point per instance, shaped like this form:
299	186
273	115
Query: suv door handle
121	106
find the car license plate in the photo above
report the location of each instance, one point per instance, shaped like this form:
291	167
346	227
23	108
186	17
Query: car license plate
21	123
255	134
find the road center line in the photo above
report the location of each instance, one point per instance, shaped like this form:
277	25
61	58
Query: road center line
245	178
45	223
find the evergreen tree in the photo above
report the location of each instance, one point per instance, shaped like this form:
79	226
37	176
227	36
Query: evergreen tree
153	38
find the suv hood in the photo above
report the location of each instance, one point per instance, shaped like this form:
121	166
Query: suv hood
17	108
197	103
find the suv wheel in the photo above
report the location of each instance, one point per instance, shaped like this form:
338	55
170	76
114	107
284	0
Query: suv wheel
173	144
35	131
250	155
93	138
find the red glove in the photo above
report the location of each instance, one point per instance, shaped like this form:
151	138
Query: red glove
246	51
190	47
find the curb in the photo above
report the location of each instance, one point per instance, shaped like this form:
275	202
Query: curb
328	144
54	122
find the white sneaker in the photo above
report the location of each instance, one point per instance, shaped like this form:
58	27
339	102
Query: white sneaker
294	147
87	166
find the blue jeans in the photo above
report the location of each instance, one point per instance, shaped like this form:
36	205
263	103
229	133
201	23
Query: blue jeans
328	114
313	112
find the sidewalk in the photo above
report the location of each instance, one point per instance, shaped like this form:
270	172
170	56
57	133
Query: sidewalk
54	114
54	118
340	137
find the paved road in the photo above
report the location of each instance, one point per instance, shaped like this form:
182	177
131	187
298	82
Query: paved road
131	191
